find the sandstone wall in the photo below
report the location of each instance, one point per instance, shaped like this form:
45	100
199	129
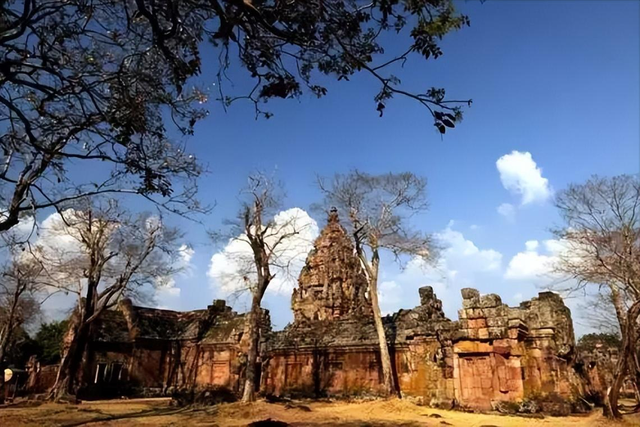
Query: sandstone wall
493	353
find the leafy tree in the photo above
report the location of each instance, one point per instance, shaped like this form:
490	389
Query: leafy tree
379	208
104	83
21	348
48	341
588	342
86	81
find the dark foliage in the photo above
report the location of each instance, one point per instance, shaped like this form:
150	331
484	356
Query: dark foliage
268	423
88	80
204	397
48	341
107	82
20	348
589	342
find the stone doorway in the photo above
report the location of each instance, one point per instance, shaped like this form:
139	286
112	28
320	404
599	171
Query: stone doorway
476	380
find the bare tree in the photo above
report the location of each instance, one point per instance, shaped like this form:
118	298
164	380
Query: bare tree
598	311
101	252
601	239
379	208
19	303
266	244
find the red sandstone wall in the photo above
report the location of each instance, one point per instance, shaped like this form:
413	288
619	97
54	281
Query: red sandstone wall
421	371
214	367
544	371
425	370
322	372
487	371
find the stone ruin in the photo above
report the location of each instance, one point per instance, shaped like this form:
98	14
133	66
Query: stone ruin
332	284
493	353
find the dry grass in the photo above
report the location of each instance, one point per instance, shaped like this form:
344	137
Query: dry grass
157	412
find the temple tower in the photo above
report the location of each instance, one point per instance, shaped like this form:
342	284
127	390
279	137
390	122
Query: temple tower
332	283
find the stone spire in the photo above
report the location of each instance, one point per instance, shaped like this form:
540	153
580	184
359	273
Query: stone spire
332	283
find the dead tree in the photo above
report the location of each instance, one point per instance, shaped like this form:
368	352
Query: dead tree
19	303
601	250
110	253
268	245
379	208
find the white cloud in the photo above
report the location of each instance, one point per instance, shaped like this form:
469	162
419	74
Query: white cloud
169	290
531	245
166	285
230	268
461	251
461	264
521	176
507	210
532	265
186	253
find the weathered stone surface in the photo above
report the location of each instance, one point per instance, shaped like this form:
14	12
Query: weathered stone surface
490	300
332	283
470	293
430	306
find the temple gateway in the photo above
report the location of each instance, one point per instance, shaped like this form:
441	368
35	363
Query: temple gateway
492	353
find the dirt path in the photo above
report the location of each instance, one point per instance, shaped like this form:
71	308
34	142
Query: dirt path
157	412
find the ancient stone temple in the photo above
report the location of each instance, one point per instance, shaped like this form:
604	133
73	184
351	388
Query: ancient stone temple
493	353
332	283
153	351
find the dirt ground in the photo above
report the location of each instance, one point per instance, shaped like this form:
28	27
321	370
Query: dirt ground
158	412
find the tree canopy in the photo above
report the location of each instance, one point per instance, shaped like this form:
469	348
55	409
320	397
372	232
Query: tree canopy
107	82
48	341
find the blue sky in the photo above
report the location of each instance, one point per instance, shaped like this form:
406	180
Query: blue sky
556	79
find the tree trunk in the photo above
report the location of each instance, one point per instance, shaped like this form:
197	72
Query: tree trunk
249	392
3	347
628	363
71	362
388	386
618	304
6	337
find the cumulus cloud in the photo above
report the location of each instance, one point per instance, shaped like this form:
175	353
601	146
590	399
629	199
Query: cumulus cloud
531	245
521	176
461	264
533	265
231	267
166	285
462	251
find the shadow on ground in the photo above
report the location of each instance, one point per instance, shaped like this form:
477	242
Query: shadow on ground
101	416
275	423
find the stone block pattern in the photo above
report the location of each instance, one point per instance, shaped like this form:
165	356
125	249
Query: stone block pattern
332	283
492	353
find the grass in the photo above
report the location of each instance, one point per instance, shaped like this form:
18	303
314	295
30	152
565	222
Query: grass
158	412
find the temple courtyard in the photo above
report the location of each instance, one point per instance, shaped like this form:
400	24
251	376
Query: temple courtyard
159	412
